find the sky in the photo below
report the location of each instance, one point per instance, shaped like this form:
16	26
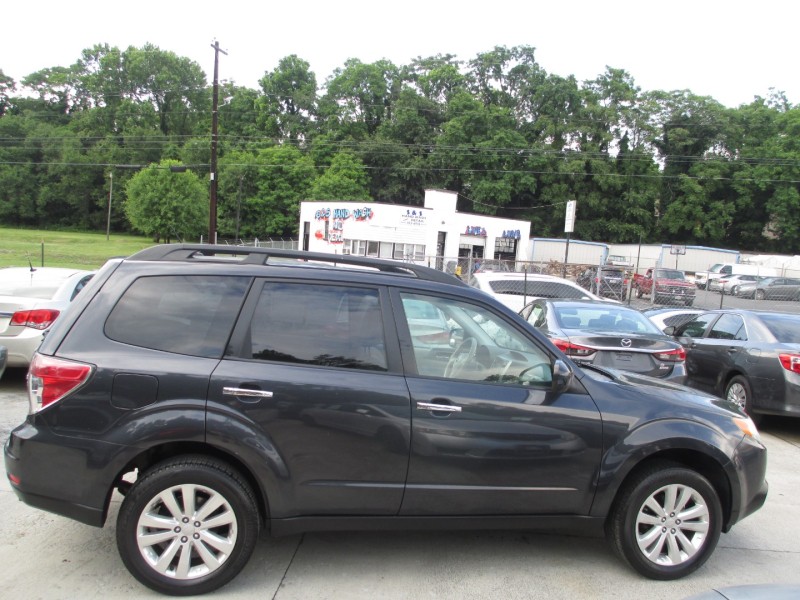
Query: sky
730	50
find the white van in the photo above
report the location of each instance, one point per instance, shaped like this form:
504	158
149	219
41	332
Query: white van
720	270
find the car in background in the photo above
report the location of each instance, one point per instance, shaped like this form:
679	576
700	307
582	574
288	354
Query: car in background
730	283
3	359
31	299
606	335
515	289
770	288
703	278
668	316
610	282
671	286
751	358
617	260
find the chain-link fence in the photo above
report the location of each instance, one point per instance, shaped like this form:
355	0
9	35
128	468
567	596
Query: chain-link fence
646	287
282	243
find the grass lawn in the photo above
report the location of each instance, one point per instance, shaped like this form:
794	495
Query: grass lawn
64	249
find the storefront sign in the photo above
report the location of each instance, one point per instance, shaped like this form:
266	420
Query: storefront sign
337	217
475	231
512	233
412	217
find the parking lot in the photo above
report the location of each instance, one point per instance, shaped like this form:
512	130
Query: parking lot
47	556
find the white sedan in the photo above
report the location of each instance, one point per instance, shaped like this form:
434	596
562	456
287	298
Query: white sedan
31	299
515	290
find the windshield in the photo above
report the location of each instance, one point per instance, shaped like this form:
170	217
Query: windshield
669	274
785	328
596	318
716	268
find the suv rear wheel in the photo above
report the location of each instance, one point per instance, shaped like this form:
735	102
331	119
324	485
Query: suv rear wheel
188	526
666	521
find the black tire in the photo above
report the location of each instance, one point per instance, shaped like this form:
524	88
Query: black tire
621	527
639	293
760	295
689	302
204	473
734	291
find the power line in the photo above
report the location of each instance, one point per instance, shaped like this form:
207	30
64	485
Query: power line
438	169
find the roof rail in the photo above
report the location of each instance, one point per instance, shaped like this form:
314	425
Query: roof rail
260	256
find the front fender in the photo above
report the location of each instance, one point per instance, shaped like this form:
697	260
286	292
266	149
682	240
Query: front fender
659	436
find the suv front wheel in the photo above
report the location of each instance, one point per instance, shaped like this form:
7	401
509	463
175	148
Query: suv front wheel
666	521
188	526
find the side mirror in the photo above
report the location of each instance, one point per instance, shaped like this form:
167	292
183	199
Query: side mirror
562	377
669	330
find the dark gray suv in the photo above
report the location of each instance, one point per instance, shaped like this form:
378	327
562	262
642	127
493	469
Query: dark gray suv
223	391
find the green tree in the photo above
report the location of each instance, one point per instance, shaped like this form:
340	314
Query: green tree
345	179
160	201
289	102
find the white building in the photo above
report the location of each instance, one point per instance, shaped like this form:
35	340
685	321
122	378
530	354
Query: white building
403	232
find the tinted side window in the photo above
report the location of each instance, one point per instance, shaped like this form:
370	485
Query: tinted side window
728	327
696	327
677	320
322	325
190	315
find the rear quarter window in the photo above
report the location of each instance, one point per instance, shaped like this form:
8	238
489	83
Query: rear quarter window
190	315
785	328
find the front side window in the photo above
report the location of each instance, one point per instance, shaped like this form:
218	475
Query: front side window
696	327
330	326
190	315
483	346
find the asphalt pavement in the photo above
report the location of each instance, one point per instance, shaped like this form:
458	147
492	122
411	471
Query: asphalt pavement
47	556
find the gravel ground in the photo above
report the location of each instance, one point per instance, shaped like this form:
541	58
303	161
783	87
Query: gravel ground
47	556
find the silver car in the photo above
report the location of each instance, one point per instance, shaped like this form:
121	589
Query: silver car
31	299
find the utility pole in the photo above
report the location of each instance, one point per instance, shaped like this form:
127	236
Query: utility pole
212	215
110	191
238	209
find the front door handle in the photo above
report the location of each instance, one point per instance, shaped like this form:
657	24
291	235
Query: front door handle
232	391
733	350
438	407
693	345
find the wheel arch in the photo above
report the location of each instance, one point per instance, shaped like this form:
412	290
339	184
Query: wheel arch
695	445
693	460
158	453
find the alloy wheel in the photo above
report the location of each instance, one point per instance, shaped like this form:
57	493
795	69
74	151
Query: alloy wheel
738	395
672	525
186	531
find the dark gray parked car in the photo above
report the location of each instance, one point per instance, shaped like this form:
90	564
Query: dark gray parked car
751	358
275	389
608	335
608	282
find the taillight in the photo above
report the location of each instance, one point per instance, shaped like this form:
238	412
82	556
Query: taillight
790	362
678	355
37	319
50	379
597	280
435	338
571	349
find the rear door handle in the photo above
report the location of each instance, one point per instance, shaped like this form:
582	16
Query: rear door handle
733	350
438	407
232	391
